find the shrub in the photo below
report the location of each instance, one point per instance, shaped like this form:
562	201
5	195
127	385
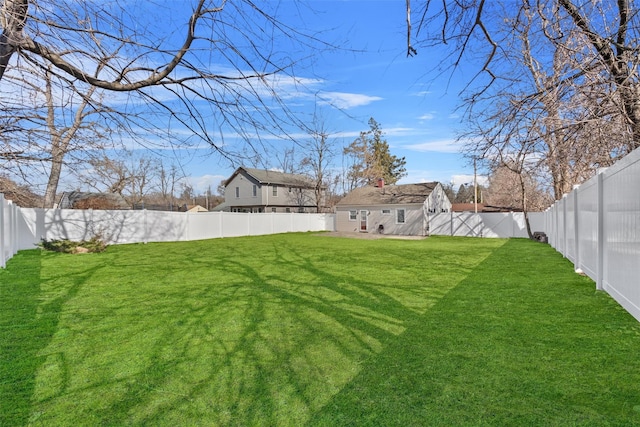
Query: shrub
95	244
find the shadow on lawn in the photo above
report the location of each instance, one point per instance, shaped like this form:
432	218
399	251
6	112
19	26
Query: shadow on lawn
28	321
263	340
261	350
522	341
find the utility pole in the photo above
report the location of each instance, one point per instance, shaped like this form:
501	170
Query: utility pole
475	186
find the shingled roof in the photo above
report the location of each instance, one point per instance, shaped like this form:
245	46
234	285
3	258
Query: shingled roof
274	177
405	194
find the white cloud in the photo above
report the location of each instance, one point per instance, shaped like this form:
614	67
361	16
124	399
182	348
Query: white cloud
427	116
344	100
458	180
439	146
202	183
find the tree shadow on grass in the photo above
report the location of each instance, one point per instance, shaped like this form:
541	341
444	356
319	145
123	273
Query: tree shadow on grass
254	340
522	341
28	321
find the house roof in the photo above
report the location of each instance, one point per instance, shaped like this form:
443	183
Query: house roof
193	208
389	194
274	177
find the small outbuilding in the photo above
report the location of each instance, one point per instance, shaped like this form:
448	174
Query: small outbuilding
392	209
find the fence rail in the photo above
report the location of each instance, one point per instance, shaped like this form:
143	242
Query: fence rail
597	227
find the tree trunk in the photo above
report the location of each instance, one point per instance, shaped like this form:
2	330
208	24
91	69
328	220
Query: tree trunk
54	179
13	17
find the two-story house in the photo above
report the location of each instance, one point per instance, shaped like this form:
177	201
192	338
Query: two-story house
258	190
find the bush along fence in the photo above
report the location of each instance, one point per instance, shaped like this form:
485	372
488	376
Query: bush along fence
597	227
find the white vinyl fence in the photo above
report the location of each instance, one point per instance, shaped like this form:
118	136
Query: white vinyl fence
469	224
9	230
24	228
597	227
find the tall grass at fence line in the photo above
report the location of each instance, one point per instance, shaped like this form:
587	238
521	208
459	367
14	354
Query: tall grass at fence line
302	329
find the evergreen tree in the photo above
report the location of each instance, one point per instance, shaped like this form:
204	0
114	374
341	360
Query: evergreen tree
372	159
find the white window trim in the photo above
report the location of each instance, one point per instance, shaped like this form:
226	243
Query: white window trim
274	191
404	216
353	217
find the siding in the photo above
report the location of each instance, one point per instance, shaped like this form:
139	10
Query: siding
413	226
245	184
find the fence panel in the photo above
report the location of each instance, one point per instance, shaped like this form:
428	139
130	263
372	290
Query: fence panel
598	227
587	232
622	233
570	227
498	224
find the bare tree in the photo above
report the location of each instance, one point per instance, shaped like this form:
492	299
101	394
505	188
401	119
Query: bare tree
509	189
320	151
106	174
541	97
181	76
54	121
167	181
143	172
596	44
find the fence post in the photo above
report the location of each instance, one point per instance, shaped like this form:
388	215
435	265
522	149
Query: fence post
601	231
576	231
564	225
145	229
3	233
13	230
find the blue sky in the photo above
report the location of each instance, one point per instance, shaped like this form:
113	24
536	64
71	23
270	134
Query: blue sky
372	77
369	75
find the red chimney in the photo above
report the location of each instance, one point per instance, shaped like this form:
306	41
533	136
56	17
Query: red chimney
380	182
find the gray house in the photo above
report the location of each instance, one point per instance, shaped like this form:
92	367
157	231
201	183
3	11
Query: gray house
258	190
392	209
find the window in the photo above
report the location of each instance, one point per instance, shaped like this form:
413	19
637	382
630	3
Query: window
255	190
399	216
274	210
288	210
237	192
275	191
386	211
290	189
353	215
300	209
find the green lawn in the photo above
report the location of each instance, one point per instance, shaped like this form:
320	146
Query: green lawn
301	329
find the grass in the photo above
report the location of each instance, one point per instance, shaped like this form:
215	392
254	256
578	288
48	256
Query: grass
300	329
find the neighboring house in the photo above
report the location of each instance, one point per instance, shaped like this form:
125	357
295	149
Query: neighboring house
258	190
392	209
84	200
192	208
